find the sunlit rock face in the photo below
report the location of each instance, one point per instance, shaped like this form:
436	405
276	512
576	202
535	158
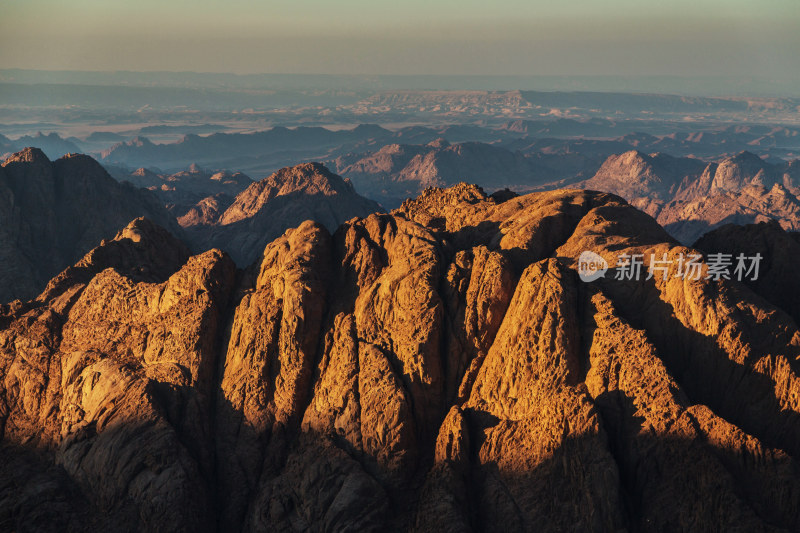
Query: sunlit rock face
690	197
441	367
243	226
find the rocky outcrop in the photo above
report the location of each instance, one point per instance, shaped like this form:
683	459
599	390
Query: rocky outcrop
267	208
689	197
52	213
110	375
442	367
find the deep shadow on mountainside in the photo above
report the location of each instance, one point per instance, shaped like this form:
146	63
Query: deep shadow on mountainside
438	368
52	213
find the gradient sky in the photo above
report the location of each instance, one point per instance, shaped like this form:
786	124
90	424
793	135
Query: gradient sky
579	37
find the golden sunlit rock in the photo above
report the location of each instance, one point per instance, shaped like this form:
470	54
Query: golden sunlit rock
442	367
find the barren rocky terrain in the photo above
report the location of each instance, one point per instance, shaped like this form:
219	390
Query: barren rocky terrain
268	207
689	197
52	213
438	368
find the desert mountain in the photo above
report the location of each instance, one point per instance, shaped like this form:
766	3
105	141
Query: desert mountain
219	149
777	282
689	197
647	181
279	146
520	154
399	171
51	213
267	208
52	144
181	191
565	127
606	137
688	220
439	368
194	179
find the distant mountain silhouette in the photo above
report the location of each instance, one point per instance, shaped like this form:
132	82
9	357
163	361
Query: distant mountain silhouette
218	148
399	171
52	145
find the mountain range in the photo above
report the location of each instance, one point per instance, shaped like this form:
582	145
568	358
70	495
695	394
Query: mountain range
245	149
689	197
399	171
440	367
181	191
241	303
52	145
268	207
52	213
686	195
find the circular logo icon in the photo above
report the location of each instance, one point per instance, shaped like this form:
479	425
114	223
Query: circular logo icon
591	266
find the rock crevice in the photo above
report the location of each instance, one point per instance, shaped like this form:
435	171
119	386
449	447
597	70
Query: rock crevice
441	367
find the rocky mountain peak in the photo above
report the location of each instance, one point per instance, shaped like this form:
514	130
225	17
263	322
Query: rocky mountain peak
745	157
58	212
82	165
632	166
138	141
401	376
144	230
736	172
305	179
439	143
141	171
267	208
634	174
141	251
634	158
436	206
27	155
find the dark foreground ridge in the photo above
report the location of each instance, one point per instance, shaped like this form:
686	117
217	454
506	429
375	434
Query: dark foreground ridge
439	368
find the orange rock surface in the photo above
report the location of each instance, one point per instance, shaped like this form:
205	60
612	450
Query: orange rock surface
439	368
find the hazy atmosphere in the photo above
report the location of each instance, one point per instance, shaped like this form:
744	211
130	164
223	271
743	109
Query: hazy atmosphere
417	266
584	37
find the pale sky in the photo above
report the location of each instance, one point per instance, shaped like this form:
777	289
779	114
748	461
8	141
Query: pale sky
523	37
